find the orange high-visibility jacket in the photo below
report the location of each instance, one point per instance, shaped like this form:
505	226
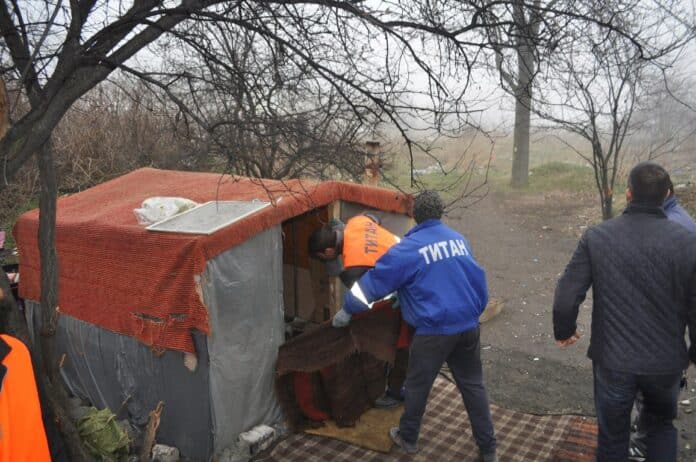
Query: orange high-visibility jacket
364	241
22	435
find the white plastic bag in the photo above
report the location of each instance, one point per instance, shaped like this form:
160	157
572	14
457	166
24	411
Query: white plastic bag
155	209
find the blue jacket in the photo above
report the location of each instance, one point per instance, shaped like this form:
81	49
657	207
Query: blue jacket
441	287
676	212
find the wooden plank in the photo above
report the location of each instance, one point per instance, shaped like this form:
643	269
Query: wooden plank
335	288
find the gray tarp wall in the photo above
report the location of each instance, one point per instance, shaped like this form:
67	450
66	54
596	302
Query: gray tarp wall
232	388
243	290
109	369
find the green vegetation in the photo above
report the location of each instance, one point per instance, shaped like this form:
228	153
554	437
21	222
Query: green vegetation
561	175
552	176
554	163
8	219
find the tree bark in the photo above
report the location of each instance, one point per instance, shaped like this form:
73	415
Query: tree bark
48	370
607	204
523	98
47	247
520	149
607	208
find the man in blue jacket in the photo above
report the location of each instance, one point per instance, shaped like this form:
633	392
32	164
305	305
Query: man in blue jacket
676	212
442	291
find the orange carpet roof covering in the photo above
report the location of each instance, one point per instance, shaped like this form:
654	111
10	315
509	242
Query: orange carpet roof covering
116	274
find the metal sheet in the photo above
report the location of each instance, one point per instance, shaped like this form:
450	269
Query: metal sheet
209	217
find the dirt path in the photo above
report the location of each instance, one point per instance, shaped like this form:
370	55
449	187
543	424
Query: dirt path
524	244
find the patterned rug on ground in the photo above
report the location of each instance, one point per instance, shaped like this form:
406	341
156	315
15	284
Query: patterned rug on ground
446	435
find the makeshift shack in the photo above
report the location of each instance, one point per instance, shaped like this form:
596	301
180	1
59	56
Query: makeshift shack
193	320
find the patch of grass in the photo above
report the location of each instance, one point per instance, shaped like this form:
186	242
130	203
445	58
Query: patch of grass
561	176
8	223
450	184
551	176
574	179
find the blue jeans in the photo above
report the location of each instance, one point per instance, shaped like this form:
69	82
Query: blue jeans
614	393
462	353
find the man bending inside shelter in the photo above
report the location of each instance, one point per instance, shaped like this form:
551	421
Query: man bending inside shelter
360	242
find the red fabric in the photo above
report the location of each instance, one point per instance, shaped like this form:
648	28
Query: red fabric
404	339
116	274
304	393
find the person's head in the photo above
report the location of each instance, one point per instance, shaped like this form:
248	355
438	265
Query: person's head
322	244
427	205
648	183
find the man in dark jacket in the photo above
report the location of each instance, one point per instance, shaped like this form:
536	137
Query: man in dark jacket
639	437
642	269
442	292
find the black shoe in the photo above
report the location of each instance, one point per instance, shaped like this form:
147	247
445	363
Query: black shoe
387	401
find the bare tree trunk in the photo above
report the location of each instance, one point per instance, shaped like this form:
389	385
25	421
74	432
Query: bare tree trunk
607	208
520	149
48	372
47	249
607	203
523	102
523	109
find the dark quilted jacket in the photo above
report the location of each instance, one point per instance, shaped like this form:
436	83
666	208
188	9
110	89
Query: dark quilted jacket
642	269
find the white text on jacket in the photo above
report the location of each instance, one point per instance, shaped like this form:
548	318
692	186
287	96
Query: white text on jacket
443	249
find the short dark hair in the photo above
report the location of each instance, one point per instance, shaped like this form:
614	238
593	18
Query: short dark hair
649	183
320	240
427	205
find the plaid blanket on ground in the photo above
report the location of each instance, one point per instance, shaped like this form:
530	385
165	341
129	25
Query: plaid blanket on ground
446	435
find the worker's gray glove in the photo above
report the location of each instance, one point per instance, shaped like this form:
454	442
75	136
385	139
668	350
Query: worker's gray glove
341	318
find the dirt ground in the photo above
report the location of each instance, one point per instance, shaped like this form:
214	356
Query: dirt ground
524	243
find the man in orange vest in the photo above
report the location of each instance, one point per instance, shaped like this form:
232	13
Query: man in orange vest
360	243
22	434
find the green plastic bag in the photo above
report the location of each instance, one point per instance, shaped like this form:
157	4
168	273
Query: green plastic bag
103	436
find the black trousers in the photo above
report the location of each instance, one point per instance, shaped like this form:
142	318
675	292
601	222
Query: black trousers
462	353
